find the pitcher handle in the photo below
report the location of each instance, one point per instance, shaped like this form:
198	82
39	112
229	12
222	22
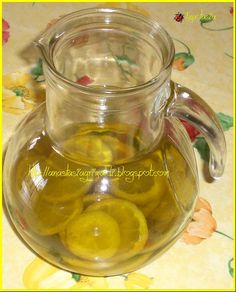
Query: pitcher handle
187	105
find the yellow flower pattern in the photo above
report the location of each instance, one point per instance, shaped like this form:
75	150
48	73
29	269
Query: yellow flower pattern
21	93
41	275
138	281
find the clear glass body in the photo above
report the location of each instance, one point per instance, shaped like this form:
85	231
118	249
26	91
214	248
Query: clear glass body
102	177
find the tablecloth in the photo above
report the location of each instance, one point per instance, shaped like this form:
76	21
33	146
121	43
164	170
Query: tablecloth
204	63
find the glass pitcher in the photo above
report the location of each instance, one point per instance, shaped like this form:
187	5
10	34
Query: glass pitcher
102	177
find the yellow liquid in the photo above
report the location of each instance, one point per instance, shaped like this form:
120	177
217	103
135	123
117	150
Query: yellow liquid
141	200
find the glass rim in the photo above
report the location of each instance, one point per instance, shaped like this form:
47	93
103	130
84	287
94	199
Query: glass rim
125	12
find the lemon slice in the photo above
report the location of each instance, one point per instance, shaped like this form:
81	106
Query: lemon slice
120	151
90	146
131	221
63	189
93	235
64	179
50	218
144	189
101	146
87	201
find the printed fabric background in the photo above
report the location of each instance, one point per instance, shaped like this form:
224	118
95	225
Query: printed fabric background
203	37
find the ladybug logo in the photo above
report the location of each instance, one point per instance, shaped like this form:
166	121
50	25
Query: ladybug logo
179	17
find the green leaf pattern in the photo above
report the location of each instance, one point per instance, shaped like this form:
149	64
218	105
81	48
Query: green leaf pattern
37	71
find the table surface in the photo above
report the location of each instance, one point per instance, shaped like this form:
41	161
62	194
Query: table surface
203	265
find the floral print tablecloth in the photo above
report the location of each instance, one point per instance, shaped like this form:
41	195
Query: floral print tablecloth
202	32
